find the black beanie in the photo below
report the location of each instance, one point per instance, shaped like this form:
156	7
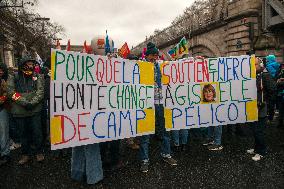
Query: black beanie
151	49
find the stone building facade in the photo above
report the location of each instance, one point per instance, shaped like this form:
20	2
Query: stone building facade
248	26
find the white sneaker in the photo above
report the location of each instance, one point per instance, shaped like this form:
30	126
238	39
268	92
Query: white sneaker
251	151
257	157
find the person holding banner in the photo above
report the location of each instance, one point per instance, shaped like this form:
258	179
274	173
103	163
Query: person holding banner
86	164
26	89
214	138
265	87
180	137
152	54
131	142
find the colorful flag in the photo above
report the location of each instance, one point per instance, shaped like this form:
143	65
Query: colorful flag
68	47
180	49
124	50
107	45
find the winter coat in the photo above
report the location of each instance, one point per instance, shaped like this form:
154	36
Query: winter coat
265	89
31	90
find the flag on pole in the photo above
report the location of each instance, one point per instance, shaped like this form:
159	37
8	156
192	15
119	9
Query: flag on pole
68	47
107	45
124	50
180	49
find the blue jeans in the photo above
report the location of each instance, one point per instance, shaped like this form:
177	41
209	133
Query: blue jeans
215	134
160	127
86	162
31	133
258	133
180	136
4	133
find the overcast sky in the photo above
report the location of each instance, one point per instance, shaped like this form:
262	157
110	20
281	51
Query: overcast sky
126	20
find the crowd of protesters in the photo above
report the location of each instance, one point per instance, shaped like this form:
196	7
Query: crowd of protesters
24	119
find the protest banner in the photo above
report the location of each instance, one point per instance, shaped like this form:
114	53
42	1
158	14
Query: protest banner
209	92
96	99
180	49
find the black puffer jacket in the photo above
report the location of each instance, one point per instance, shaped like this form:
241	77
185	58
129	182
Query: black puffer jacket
265	89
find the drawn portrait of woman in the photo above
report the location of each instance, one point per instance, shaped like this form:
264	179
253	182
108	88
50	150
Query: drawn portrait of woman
209	93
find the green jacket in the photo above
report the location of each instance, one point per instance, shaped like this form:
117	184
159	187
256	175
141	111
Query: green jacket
30	102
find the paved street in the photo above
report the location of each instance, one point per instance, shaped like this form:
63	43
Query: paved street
197	168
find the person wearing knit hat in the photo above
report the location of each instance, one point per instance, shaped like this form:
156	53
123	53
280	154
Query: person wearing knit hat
265	87
86	161
152	49
26	91
152	55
